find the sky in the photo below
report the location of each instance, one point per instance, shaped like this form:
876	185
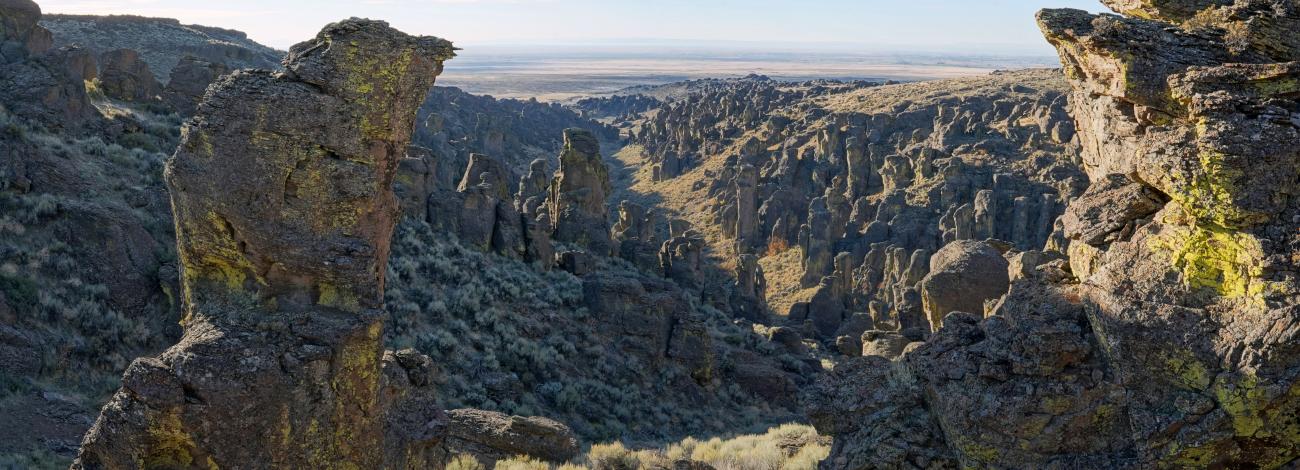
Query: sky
941	26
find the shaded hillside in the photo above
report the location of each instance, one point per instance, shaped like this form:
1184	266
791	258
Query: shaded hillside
161	42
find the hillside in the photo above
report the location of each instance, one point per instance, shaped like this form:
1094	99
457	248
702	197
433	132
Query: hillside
161	42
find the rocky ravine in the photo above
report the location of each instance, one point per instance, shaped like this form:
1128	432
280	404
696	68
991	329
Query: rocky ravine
89	279
1169	343
844	194
281	363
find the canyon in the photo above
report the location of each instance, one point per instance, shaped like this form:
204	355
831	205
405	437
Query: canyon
216	254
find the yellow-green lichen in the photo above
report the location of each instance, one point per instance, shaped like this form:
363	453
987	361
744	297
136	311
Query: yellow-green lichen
331	295
171	446
977	452
1241	399
197	141
1263	422
1228	262
211	257
1187	370
1211	196
356	397
1057	405
374	83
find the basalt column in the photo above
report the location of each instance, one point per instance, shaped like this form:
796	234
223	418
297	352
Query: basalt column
281	189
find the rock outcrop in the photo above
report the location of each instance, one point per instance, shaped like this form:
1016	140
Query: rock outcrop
37	82
576	201
124	76
963	276
162	43
1167	340
1193	300
284	213
866	181
490	437
188	81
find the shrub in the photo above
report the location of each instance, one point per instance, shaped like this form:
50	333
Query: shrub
464	462
612	456
522	463
19	292
787	447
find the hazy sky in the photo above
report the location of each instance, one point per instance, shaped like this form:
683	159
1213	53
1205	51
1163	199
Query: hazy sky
964	26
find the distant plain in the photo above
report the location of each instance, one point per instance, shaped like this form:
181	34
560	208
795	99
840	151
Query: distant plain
564	74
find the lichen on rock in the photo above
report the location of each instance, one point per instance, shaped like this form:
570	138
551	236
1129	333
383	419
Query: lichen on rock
1202	111
281	189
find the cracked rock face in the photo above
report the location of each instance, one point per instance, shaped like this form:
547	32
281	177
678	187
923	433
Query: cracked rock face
1195	305
281	191
1174	346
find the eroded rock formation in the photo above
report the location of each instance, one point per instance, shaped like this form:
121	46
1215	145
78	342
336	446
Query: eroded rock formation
284	213
36	81
1193	300
866	180
576	202
125	76
1167	340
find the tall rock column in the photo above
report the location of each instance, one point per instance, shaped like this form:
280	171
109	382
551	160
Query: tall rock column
1194	301
576	201
281	189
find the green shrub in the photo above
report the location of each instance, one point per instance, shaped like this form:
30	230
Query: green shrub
20	293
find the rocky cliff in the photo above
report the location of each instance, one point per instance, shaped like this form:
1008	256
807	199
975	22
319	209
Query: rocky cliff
283	229
1166	340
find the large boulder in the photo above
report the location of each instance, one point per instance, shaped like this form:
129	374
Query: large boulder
963	275
490	436
281	192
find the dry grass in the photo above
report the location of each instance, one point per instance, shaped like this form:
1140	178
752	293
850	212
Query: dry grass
783	273
787	447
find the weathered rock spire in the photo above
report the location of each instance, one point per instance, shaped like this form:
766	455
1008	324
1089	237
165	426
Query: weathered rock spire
281	189
577	196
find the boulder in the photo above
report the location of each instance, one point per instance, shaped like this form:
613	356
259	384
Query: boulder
189	80
490	436
887	344
963	275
